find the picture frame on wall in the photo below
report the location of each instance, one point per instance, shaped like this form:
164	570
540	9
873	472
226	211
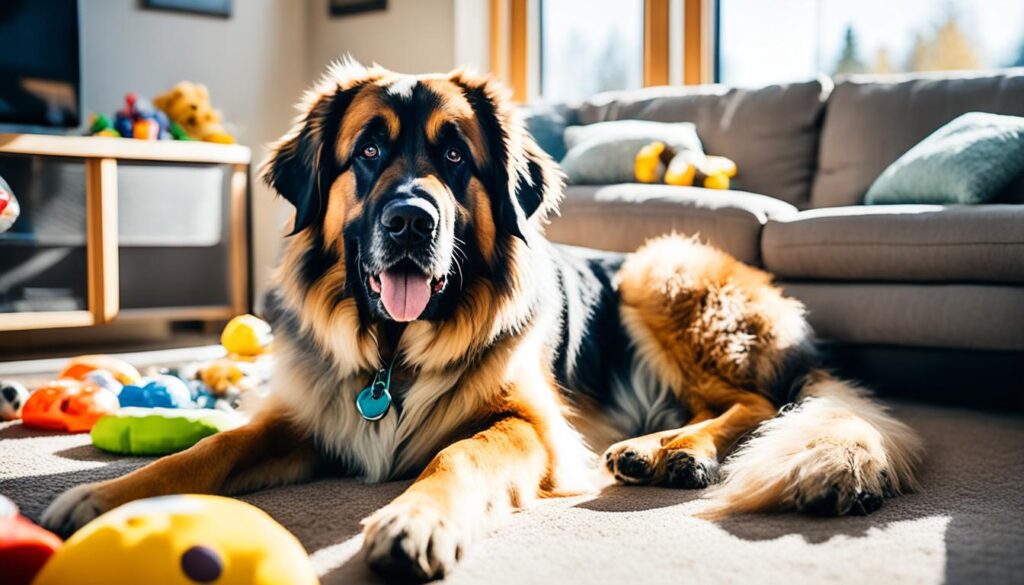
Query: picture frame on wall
348	7
218	8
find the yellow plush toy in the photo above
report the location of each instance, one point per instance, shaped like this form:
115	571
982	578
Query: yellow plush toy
189	105
181	540
657	162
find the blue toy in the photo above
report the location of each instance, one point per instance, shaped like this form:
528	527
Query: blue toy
104	379
158	391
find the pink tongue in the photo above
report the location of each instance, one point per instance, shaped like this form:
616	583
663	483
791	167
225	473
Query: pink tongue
405	294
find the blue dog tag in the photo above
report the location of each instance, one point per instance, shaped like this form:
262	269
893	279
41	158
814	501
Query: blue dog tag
374	401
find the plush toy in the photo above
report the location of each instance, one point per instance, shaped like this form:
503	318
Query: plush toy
9	208
658	162
67	405
13	396
78	367
159	431
158	391
189	105
24	547
180	540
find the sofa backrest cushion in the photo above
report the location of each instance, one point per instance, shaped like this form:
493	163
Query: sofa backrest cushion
872	121
771	133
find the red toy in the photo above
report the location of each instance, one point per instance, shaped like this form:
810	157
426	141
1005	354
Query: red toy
67	405
24	547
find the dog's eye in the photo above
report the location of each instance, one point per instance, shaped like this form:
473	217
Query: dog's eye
453	156
370	151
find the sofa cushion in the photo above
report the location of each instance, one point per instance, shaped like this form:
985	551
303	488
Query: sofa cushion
871	121
771	132
964	316
899	243
622	217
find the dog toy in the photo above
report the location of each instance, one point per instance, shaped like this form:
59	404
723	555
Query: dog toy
159	431
658	162
24	547
9	208
188	104
246	336
78	367
163	391
13	396
67	405
181	539
104	379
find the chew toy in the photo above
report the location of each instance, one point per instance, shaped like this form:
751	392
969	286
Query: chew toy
246	336
13	396
78	367
159	431
158	391
67	405
24	547
181	539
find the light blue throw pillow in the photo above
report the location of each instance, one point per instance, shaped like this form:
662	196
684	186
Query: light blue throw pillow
969	160
604	153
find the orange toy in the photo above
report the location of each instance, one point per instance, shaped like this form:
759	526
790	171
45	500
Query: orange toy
67	405
79	366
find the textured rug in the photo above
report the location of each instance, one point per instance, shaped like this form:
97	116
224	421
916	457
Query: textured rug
966	525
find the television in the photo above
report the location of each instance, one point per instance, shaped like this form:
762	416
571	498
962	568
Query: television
40	67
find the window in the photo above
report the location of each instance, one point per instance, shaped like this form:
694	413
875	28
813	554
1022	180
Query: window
794	40
590	46
564	50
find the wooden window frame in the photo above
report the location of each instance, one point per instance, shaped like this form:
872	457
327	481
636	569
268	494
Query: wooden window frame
510	57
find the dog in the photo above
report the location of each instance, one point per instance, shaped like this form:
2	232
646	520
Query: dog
425	328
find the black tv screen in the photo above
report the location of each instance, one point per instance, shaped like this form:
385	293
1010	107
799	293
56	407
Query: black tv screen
39	64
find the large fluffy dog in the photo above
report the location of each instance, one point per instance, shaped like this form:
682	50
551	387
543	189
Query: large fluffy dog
416	258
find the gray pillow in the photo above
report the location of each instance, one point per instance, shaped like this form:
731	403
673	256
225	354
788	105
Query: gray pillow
969	160
547	126
604	153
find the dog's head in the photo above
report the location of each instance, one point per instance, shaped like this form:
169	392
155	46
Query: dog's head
417	184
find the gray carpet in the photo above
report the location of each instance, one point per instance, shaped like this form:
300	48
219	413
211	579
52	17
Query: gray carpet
965	526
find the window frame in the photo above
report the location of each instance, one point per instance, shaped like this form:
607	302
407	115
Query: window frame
514	49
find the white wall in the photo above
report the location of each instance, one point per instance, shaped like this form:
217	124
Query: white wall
411	36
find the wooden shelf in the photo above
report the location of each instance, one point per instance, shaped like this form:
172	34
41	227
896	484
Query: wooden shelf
125	148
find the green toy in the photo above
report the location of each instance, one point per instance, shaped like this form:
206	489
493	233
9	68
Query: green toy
159	431
177	131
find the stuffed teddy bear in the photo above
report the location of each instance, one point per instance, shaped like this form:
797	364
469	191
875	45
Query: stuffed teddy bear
658	162
189	105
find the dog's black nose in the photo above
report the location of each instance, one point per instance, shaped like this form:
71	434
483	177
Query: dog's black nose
409	221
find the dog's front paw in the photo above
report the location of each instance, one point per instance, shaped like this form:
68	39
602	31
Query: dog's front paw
412	541
74	509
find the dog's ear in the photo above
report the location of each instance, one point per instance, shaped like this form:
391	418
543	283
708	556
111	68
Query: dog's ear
524	179
295	167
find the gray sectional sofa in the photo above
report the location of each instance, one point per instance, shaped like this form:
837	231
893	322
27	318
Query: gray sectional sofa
922	299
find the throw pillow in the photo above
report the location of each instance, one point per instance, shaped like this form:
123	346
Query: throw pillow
969	160
604	153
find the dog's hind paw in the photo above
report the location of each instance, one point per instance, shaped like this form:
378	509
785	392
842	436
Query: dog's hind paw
409	541
683	470
73	509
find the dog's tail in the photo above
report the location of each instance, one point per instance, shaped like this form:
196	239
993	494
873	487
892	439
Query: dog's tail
835	451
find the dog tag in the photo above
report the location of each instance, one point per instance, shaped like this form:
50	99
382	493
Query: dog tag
374	401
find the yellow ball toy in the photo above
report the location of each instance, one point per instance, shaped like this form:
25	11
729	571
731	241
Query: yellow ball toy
246	336
181	540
